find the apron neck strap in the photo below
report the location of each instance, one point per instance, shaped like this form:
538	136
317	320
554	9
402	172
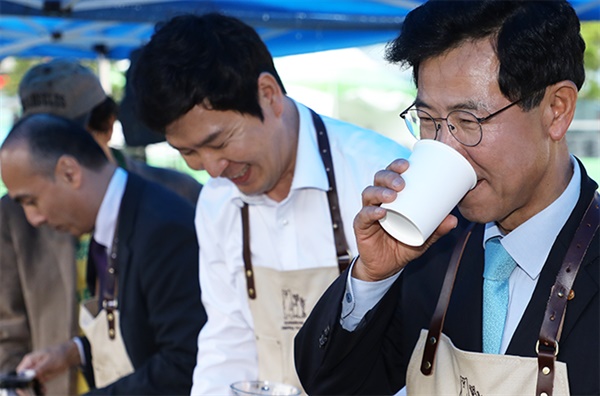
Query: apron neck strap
437	321
343	252
547	345
341	245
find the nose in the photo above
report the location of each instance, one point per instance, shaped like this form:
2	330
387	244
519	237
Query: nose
215	167
213	163
34	217
445	136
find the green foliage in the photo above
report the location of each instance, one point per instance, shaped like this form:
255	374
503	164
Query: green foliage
590	31
21	65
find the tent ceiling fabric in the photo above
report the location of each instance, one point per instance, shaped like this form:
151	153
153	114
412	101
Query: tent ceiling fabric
87	28
112	28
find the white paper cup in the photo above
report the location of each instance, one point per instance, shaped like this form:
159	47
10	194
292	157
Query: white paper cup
436	180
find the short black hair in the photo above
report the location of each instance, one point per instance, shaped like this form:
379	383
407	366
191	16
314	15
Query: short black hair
209	59
538	43
100	118
48	137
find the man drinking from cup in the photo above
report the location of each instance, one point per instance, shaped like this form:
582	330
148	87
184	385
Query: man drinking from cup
498	82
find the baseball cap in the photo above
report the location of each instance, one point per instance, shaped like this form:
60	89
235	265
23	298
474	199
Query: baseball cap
61	87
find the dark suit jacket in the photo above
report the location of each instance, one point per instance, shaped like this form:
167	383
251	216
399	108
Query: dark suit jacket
373	359
158	290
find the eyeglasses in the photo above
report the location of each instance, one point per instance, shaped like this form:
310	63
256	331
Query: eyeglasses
465	127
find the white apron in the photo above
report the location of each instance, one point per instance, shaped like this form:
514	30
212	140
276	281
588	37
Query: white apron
110	359
283	302
437	367
280	301
458	372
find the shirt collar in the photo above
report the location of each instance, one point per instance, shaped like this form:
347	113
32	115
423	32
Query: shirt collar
108	214
530	243
309	171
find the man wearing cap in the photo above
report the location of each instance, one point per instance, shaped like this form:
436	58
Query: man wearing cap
68	89
39	284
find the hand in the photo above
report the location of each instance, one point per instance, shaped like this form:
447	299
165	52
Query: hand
382	256
52	361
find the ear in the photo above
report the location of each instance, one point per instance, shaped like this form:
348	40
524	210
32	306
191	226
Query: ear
560	102
270	94
68	171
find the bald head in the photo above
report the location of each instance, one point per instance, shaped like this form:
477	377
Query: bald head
48	137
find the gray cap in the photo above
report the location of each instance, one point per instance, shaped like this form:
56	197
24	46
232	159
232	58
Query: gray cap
61	87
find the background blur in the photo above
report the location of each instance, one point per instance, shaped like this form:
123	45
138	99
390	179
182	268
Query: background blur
353	84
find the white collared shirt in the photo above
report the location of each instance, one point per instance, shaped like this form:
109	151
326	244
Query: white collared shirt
293	234
108	214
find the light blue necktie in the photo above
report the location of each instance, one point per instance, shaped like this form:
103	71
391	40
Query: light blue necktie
498	267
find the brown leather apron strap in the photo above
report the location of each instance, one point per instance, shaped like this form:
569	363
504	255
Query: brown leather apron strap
547	347
437	321
109	299
343	252
248	271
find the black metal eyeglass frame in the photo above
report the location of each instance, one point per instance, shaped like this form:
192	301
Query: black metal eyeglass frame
480	120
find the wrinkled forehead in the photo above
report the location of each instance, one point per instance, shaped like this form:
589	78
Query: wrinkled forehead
467	72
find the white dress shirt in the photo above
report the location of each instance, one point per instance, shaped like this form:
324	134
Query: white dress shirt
293	234
108	214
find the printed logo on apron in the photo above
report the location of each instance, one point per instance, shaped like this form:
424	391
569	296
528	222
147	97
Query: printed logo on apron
294	309
279	313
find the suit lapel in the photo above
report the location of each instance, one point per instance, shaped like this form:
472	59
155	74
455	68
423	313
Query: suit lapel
464	319
527	333
126	227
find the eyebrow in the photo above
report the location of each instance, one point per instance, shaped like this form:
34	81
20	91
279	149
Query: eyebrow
19	198
209	139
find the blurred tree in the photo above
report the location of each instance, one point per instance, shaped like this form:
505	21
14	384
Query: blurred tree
13	70
590	32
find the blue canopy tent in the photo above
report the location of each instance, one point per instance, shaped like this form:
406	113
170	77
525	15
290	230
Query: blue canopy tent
112	28
88	28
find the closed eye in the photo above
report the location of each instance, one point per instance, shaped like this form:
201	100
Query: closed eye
185	152
26	201
218	146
